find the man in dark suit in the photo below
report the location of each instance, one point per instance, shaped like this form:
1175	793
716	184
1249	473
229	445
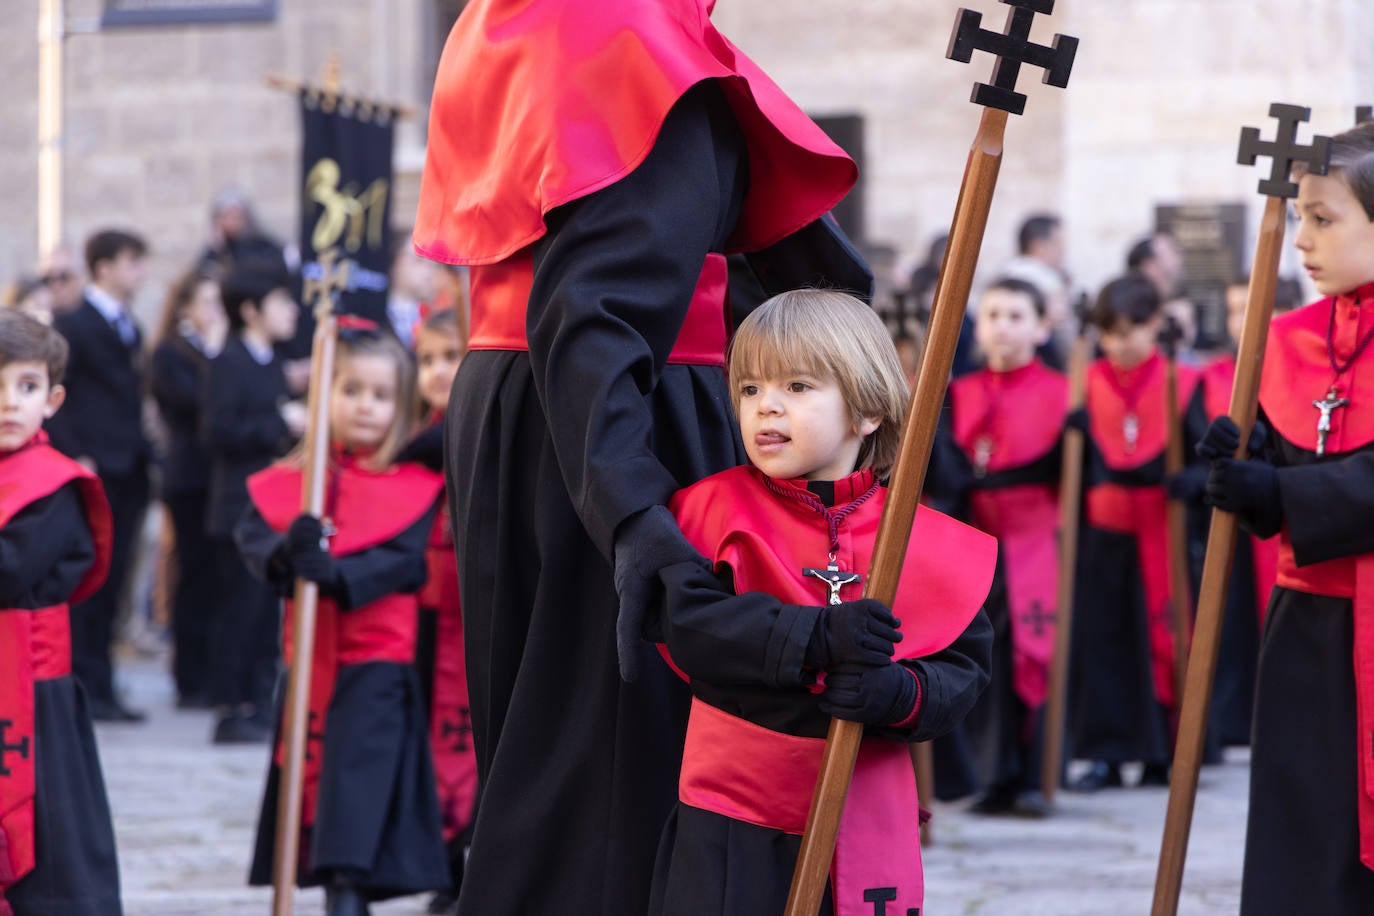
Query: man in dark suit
102	427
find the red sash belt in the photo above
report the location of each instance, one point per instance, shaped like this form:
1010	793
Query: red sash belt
1142	512
749	773
1352	578
34	646
501	293
1025	521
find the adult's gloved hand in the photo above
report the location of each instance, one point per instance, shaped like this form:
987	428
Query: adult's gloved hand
862	631
1223	438
871	694
644	544
1244	487
306	552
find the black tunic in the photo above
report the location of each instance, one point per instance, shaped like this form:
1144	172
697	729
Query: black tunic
1114	713
548	451
45	550
377	814
1302	839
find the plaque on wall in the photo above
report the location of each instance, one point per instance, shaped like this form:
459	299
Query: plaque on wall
1211	237
185	12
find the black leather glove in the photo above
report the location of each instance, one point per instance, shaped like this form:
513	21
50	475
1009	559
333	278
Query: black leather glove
1223	438
305	551
1077	419
1188	484
427	448
1244	487
644	544
863	632
871	694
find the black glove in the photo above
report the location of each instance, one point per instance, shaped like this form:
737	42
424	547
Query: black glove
862	632
1248	488
427	448
871	694
1188	484
644	544
1223	438
1077	419
305	552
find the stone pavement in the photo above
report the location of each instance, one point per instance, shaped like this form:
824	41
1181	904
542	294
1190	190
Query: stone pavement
185	813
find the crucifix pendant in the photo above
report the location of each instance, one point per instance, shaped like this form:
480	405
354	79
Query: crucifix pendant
1326	405
833	578
1130	430
982	454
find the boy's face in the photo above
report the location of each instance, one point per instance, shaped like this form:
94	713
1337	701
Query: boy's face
438	356
122	275
799	425
1008	330
1335	235
1127	345
277	315
26	400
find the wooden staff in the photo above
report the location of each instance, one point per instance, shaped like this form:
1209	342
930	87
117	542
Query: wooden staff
1221	542
296	710
908	477
1070	505
1180	605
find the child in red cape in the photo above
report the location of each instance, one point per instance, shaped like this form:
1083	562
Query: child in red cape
776	639
370	819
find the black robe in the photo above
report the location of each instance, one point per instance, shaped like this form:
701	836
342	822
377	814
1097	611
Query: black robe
1113	711
1302	840
75	872
377	815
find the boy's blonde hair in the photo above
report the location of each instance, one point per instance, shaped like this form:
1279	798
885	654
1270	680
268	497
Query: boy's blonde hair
830	335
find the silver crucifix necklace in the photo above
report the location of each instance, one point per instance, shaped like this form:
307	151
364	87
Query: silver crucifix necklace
1333	400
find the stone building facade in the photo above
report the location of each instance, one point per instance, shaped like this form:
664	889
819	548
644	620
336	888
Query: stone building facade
159	119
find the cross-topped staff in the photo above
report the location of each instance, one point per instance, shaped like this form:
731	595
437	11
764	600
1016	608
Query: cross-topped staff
1176	525
951	299
1221	541
334	278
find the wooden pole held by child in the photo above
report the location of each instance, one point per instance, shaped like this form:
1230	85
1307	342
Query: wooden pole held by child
1221	541
1180	604
1070	504
295	711
1012	49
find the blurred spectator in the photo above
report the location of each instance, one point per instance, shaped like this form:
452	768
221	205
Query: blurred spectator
61	273
236	239
101	426
1158	259
414	281
191	333
31	296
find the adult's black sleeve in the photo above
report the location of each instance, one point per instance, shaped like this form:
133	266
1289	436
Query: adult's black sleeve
395	566
1328	508
176	384
717	636
45	550
612	282
231	428
951	682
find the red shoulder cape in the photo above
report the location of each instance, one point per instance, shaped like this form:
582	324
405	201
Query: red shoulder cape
540	102
1218	377
735	520
1114	395
1016	416
1297	371
367	507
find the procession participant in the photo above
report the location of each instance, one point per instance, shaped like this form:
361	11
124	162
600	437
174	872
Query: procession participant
57	845
594	162
1310	840
820	397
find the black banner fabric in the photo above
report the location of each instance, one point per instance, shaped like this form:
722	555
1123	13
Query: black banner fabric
186	12
346	187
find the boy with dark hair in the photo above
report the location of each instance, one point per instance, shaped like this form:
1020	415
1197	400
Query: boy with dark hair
1124	702
102	429
250	421
57	851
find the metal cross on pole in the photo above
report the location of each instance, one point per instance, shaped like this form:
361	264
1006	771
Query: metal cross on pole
1013	48
1221	541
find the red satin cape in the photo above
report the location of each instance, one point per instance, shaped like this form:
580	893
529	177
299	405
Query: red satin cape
35	644
1114	394
1016	416
540	102
368	508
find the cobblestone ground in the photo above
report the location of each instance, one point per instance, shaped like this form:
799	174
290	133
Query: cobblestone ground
185	812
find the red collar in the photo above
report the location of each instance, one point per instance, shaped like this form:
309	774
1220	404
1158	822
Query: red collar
847	489
534	108
1006	420
1297	371
1127	412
